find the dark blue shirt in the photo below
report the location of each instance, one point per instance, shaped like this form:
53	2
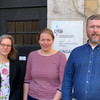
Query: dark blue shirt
82	73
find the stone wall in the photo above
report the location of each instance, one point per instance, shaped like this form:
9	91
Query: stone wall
73	10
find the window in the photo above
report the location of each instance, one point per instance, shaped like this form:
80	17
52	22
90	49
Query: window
24	32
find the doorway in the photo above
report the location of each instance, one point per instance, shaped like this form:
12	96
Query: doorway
23	19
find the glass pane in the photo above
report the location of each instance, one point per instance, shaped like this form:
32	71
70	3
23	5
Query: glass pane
19	26
27	26
19	39
11	27
13	35
34	39
27	39
35	26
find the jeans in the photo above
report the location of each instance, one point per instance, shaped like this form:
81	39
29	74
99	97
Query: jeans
31	98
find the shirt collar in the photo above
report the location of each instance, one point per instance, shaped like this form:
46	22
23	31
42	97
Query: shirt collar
90	45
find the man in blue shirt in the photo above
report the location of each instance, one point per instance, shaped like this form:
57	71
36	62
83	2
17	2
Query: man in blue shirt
82	72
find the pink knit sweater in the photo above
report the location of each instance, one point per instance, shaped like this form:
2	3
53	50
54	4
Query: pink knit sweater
44	74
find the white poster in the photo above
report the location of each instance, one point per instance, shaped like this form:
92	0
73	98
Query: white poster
68	35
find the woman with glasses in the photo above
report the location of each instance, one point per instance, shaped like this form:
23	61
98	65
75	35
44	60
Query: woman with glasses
10	73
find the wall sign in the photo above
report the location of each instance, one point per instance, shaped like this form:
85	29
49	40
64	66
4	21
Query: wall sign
68	35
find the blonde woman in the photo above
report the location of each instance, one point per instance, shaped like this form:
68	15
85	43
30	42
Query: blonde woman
44	72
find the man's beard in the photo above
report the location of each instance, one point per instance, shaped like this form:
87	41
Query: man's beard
95	41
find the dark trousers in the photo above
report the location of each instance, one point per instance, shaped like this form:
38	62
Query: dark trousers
31	98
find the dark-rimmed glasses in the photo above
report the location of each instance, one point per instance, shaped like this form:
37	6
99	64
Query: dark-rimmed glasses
3	45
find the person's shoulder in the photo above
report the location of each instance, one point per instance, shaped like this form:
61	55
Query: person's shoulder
60	54
14	63
76	52
33	52
79	48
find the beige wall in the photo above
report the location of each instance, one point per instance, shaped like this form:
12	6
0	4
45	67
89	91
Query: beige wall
75	10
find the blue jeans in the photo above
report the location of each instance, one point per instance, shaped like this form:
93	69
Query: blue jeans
31	98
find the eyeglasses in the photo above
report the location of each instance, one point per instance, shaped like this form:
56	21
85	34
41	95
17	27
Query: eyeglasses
3	45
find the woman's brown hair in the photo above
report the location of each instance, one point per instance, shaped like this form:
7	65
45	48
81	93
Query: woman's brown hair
46	30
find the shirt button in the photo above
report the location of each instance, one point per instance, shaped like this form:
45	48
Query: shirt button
90	62
86	81
86	91
92	53
89	71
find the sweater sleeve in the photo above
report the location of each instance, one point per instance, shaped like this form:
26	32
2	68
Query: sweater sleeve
28	69
63	61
